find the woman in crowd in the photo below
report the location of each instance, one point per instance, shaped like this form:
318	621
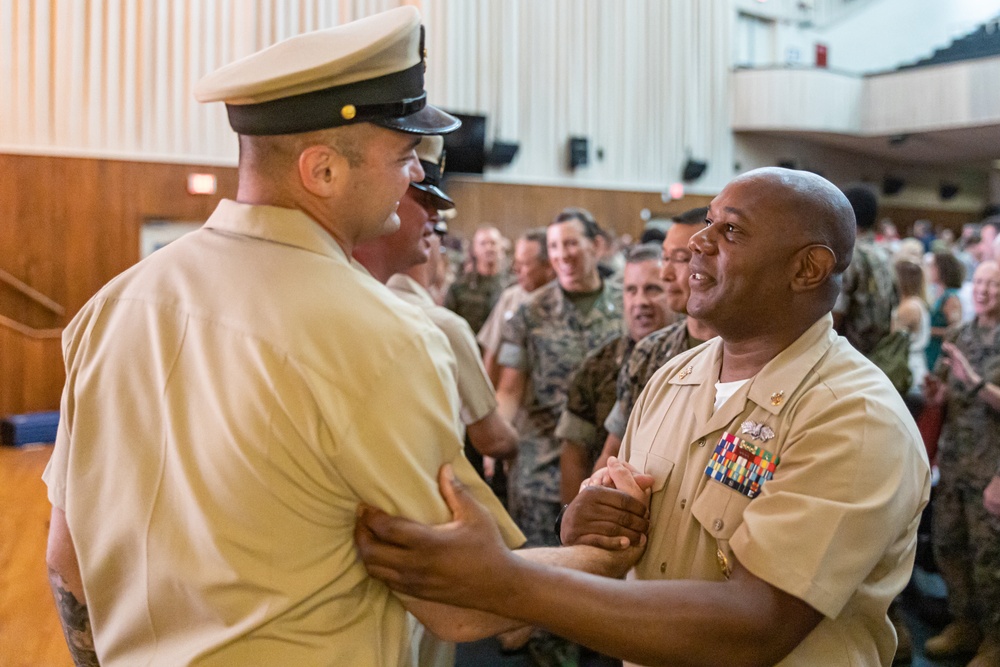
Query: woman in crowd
945	274
966	525
913	317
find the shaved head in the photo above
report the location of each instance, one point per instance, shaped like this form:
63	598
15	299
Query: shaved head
815	210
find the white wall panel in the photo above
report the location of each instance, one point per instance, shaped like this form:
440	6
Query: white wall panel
645	80
114	77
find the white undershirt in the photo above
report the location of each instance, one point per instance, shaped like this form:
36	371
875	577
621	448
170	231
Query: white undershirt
724	390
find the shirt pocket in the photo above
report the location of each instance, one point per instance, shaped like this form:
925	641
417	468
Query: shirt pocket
658	467
719	509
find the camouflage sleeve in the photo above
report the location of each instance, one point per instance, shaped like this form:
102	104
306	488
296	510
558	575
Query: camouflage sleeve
514	341
631	380
849	284
617	420
581	399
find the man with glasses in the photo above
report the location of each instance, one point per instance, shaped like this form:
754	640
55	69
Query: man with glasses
787	475
660	346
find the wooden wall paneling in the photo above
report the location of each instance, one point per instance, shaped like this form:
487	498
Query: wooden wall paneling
513	208
69	225
904	217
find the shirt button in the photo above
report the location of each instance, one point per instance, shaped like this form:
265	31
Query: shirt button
701	443
718	524
663	568
684	502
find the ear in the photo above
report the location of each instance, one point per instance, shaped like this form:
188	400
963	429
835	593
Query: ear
814	265
319	169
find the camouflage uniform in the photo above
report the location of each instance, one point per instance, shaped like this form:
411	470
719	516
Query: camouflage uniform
965	536
548	339
473	296
592	395
649	355
867	297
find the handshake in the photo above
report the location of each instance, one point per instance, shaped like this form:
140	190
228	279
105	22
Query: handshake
611	511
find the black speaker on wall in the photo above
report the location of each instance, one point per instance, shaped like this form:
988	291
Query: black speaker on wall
948	190
502	153
693	169
578	152
891	185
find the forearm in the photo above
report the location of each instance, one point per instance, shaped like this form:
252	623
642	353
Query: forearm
574	467
583	558
67	589
492	367
612	445
493	436
510	392
75	620
459	624
710	623
987	392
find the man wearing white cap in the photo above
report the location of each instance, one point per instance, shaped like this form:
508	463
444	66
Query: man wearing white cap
233	398
400	260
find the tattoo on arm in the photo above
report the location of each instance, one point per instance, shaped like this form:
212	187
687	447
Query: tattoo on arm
75	623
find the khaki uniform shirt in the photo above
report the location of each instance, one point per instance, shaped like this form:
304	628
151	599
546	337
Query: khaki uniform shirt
474	387
835	526
229	402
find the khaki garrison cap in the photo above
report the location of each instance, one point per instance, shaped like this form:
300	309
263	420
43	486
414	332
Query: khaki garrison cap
431	154
366	71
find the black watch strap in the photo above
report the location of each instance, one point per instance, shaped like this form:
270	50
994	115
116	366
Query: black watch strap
558	524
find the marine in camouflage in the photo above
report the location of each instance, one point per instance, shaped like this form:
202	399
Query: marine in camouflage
473	296
649	355
592	394
867	297
966	538
550	338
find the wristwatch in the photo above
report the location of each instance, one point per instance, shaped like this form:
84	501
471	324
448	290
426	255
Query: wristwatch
558	524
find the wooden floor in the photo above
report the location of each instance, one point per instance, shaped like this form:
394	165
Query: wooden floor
30	634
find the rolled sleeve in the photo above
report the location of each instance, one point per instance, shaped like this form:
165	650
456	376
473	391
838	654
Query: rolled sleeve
575	428
616	421
513	356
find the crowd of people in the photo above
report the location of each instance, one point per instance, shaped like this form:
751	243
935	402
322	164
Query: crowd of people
342	448
941	292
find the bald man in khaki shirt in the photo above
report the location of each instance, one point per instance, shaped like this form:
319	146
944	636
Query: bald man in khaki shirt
787	478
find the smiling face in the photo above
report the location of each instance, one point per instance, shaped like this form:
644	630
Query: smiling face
674	268
573	256
531	269
644	298
762	264
417	216
370	190
986	292
486	250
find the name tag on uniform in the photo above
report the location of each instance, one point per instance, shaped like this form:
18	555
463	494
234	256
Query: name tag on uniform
741	466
